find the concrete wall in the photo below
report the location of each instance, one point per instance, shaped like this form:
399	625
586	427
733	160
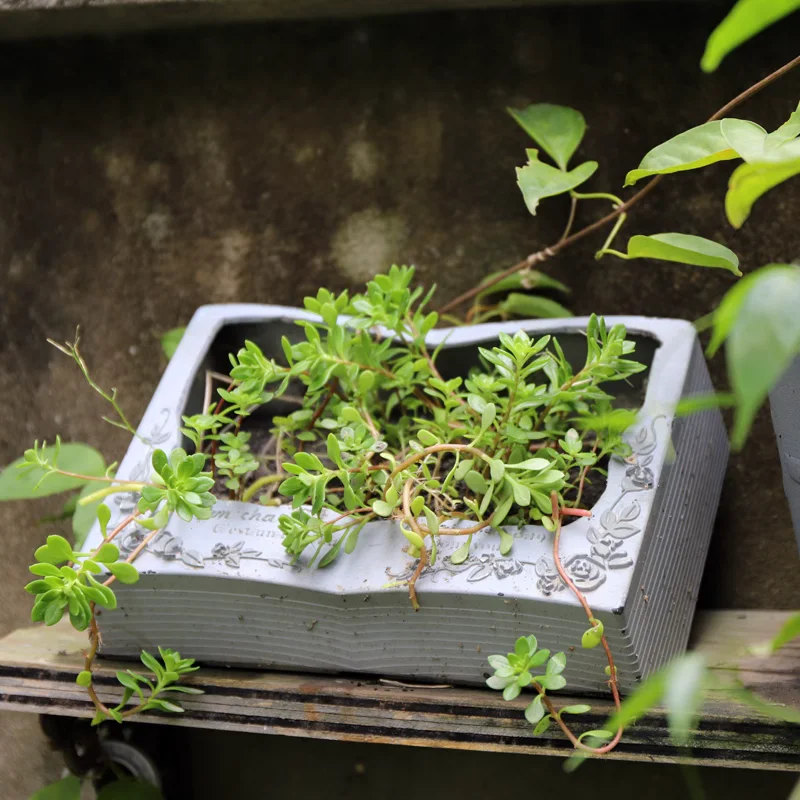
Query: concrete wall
143	176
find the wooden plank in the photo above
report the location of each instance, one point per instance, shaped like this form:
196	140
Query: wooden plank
38	667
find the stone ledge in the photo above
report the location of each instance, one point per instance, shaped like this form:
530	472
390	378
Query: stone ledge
24	19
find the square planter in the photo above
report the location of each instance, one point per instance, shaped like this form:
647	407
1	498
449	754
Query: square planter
224	591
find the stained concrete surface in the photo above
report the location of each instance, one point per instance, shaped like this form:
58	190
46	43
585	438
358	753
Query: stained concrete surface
143	176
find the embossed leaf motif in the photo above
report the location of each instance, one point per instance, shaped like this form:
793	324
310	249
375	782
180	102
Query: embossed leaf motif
173	547
630	512
602	550
192	558
623	531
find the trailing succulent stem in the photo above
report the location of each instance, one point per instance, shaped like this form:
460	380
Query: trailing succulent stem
67	583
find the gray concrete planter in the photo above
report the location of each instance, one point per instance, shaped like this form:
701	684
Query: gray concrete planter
784	402
225	592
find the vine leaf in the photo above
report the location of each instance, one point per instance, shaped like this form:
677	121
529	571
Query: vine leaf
745	20
763	340
525	279
68	788
170	341
684	248
532	305
18	484
745	137
750	181
788	632
558	130
538	180
786	132
692	149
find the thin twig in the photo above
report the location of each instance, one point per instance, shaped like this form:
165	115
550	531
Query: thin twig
590	614
573	205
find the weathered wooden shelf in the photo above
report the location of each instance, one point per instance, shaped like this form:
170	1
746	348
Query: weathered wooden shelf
38	668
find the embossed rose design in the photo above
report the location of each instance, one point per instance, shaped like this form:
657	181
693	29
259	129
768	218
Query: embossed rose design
220	551
549	580
587	573
639	476
504	567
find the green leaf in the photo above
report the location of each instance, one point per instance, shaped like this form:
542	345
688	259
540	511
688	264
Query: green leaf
101	595
538	180
84	678
55	551
556	664
488	415
496	470
366	380
643	698
68	788
692	149
506	542
461	555
382	508
579	708
558	130
166	705
532	305
543	725
129	789
124	572
763	340
476	482
727	312
788	632
84	515
414	538
745	137
18	484
744	20
599	735
152	664
532	464
684	249
683	696
170	341
334	451
511	691
525	279
107	553
749	181
129	682
535	711
592	637
552	682
431	520
785	133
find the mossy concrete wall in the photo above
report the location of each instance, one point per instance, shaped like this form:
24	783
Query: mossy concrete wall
141	177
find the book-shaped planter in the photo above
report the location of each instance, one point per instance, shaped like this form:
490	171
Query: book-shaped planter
225	592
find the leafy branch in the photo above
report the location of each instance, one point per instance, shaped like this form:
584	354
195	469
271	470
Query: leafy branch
618	210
